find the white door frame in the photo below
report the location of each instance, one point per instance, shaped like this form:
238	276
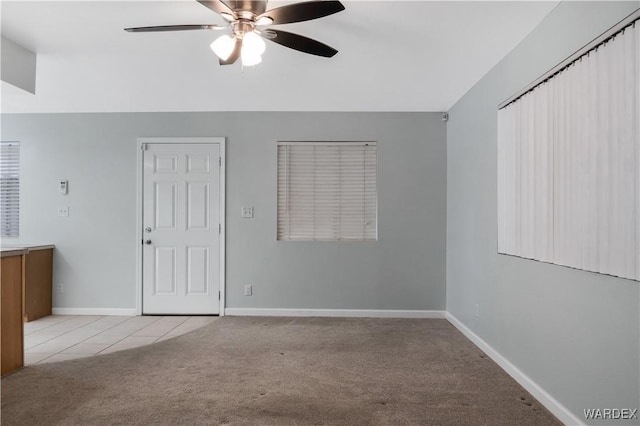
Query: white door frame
139	224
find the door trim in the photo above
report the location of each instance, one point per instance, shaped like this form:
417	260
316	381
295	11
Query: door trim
139	224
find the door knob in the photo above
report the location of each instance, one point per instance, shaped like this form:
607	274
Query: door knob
147	229
147	242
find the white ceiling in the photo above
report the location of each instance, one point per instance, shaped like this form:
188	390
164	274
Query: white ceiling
393	56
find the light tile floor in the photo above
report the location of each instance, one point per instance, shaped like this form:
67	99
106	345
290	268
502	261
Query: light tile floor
63	337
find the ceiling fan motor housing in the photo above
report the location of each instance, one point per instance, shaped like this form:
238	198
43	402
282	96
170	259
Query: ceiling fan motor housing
242	26
256	7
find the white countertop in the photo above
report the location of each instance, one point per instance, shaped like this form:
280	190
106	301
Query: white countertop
18	249
7	251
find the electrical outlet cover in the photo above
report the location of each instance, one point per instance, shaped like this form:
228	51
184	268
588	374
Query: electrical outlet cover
247	212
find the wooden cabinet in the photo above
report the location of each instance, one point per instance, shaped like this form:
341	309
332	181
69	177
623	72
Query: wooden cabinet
11	331
26	281
38	283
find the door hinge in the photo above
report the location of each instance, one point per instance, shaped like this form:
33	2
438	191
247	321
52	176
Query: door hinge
219	228
143	146
218	295
220	161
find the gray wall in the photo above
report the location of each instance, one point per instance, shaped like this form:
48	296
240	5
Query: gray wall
17	65
96	244
574	333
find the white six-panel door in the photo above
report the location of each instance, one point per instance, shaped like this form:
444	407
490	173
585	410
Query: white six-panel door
181	228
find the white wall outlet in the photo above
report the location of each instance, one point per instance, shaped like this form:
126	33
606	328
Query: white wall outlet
59	288
247	212
63	211
248	290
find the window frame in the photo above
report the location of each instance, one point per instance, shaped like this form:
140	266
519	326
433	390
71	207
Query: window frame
375	194
6	229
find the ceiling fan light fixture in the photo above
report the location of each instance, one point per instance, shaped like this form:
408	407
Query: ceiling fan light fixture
250	58
223	46
253	44
264	20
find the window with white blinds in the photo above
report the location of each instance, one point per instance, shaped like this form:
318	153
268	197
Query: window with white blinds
327	191
9	188
569	164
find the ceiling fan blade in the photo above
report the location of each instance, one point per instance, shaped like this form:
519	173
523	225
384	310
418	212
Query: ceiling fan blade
303	11
234	55
303	44
173	28
218	7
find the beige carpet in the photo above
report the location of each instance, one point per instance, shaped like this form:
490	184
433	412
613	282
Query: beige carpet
280	371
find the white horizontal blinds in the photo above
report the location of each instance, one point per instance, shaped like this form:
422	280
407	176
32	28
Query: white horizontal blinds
9	188
569	164
327	191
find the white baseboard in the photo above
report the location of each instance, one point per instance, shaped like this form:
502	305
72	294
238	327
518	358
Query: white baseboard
360	313
94	311
558	410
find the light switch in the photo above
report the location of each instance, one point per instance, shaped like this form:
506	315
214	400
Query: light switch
64	187
247	212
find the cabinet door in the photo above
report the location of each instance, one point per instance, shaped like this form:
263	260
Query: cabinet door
38	284
12	347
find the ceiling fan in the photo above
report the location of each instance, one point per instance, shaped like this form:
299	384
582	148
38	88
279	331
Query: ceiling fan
250	22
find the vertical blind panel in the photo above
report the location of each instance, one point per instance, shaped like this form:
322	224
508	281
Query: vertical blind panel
525	180
9	189
569	164
327	192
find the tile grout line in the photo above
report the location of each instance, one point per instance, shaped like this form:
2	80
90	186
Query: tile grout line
50	325
152	322
115	343
55	337
130	335
178	325
188	331
157	319
45	358
87	338
75	329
